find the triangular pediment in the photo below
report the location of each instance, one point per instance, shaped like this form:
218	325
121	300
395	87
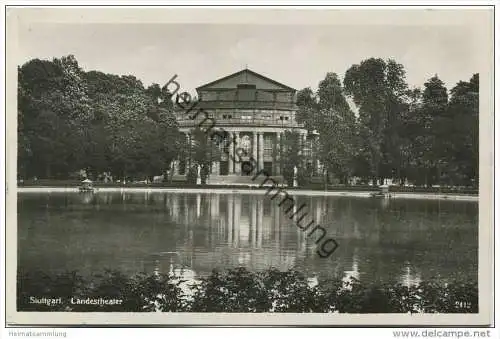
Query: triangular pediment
246	76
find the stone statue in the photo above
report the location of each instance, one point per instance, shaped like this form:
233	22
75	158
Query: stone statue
198	174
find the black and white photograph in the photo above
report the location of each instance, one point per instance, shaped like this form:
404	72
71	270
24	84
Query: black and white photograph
238	163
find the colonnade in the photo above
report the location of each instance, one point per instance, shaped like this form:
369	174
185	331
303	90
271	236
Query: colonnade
254	149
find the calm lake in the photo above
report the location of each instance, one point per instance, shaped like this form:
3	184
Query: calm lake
393	240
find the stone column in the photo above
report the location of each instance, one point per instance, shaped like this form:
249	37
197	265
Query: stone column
237	162
254	147
278	153
261	150
230	156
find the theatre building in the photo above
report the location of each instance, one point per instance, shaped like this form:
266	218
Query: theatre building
255	111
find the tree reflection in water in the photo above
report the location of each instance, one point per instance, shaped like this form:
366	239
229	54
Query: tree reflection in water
399	240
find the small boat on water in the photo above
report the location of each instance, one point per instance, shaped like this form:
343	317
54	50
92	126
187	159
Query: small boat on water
382	193
86	186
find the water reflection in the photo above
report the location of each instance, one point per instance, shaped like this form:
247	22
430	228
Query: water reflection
410	276
398	240
353	273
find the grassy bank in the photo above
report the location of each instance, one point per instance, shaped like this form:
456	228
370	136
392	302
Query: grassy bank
314	187
239	290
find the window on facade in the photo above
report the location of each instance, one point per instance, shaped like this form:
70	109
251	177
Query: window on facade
308	148
268	146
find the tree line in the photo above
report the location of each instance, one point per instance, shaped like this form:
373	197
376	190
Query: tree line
426	135
70	119
241	290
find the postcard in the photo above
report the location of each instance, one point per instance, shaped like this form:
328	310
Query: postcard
250	166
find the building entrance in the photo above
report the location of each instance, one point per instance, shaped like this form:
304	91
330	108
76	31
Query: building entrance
247	168
224	168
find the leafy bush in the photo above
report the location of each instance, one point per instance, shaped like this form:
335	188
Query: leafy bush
140	293
289	291
237	290
240	290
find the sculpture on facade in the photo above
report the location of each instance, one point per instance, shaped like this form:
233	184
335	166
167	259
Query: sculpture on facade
295	176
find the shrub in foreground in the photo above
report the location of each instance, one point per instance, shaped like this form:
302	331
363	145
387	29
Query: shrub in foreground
240	290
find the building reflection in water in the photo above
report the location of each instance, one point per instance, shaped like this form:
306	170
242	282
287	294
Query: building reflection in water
405	241
198	205
226	230
174	203
223	231
409	277
236	230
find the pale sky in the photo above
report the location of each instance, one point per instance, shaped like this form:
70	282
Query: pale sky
298	56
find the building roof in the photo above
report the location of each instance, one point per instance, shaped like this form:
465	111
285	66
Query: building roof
246	76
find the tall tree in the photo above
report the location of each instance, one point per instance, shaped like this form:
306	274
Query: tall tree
428	135
378	89
170	140
397	107
336	124
54	110
141	131
460	127
291	156
409	130
307	108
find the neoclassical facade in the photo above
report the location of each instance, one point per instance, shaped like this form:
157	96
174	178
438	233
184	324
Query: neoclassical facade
255	111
